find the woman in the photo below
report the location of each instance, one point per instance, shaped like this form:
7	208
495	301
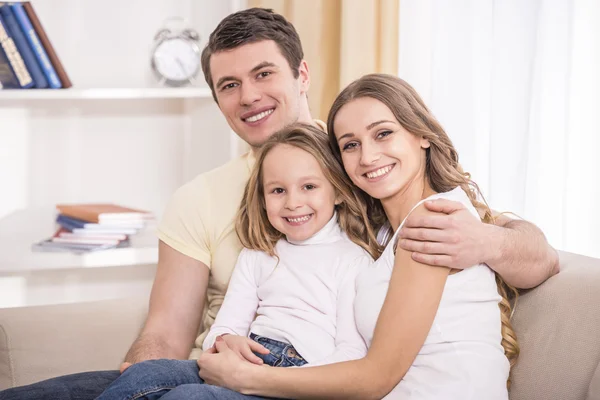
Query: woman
432	332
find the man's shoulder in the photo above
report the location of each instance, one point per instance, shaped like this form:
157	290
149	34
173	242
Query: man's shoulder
223	176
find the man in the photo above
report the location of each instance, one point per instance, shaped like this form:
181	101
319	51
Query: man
254	66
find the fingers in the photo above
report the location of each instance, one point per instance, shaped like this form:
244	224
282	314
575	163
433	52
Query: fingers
257	347
124	366
440	221
220	345
436	260
250	356
444	206
432	248
212	350
426	235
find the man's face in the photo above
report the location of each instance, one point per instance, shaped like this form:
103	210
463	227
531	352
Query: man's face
256	90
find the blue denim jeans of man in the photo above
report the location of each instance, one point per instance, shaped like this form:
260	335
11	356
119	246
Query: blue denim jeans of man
179	379
82	386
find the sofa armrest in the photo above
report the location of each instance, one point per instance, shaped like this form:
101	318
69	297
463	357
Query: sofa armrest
557	328
42	342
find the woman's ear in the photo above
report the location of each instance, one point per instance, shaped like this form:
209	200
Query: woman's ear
425	143
338	200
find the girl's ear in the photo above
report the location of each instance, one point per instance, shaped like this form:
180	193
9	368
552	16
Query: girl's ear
338	200
425	143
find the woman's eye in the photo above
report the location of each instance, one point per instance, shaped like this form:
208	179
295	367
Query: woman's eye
350	146
384	134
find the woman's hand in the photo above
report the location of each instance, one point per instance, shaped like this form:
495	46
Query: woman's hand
222	366
244	347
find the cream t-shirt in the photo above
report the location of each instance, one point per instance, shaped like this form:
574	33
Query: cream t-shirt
199	221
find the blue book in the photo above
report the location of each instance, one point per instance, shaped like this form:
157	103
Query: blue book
8	79
14	30
36	45
13	60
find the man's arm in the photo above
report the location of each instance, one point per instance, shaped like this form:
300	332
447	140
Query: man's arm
515	249
176	302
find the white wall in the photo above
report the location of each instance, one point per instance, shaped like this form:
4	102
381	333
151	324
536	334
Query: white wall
134	152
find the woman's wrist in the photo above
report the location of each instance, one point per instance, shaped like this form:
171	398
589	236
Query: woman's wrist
250	378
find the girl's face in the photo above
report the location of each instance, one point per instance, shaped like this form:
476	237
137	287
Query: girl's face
299	199
380	156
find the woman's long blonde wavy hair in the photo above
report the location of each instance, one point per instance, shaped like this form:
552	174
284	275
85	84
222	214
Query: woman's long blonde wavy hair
252	225
443	172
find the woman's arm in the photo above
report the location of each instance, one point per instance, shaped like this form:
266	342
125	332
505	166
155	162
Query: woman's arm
408	312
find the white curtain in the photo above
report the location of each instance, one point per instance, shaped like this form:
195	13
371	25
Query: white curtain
516	84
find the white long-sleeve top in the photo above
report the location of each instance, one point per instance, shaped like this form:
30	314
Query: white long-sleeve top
306	299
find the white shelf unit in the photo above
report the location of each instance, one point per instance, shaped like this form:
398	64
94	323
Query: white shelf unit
115	136
140	93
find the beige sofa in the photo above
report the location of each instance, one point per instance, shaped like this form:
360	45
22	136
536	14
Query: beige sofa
557	324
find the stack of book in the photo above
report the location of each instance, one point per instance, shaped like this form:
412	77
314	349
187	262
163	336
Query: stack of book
27	58
91	227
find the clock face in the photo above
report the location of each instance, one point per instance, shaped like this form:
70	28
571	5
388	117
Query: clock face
177	59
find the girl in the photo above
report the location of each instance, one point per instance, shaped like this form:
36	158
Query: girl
432	333
291	296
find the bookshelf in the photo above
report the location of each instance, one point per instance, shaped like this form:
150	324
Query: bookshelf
9	97
116	136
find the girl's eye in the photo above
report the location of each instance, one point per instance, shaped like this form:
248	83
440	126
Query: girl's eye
384	134
350	146
277	191
309	187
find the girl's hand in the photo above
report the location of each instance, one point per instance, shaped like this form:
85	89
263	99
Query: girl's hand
244	347
222	366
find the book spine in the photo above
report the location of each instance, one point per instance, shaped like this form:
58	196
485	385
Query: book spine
39	29
14	57
36	45
19	38
8	79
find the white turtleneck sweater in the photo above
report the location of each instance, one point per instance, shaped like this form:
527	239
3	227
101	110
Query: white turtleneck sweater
307	299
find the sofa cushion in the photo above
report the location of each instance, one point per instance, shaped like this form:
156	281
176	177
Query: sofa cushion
42	342
594	389
557	326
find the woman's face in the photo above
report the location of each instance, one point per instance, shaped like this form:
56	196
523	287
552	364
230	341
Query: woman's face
380	156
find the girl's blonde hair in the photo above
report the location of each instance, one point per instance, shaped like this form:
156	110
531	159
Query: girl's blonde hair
442	170
252	225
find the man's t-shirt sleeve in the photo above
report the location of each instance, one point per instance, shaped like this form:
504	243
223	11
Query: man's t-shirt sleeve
184	225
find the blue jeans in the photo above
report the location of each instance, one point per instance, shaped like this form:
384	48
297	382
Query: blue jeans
179	379
83	386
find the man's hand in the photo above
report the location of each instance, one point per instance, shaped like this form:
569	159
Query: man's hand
455	238
243	347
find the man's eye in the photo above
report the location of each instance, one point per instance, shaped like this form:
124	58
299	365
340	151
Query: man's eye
228	86
264	74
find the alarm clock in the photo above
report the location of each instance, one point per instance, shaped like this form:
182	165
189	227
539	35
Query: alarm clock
175	57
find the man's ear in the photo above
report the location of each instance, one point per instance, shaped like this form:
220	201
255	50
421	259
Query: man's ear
304	76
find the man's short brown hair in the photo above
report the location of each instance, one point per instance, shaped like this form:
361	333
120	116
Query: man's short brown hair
249	26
